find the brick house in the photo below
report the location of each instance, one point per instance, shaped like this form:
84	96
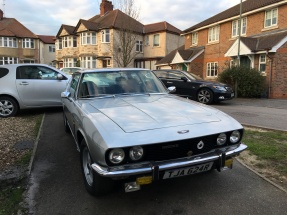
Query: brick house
94	43
263	43
17	43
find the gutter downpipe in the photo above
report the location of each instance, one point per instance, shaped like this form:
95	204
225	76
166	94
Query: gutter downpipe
270	73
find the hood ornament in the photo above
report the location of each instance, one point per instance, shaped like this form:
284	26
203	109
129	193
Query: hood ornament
183	131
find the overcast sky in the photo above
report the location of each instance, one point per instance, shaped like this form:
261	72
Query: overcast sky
46	16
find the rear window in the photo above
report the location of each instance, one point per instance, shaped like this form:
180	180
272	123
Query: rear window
3	72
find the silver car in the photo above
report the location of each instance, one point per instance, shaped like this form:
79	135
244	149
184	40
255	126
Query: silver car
128	128
24	86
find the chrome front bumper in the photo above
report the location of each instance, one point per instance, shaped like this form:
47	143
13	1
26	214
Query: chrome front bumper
154	168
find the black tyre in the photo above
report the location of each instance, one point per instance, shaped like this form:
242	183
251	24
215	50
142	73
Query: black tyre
8	107
205	96
66	126
95	184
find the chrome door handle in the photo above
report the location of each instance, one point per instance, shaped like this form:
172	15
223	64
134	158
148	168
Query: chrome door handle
169	82
24	83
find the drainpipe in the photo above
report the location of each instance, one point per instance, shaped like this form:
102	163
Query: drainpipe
270	73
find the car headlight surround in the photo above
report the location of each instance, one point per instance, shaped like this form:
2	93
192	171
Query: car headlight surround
219	88
235	137
221	139
136	153
116	156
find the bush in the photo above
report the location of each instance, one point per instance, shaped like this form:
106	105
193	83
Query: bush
250	83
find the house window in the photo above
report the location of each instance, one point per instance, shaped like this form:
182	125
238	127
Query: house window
51	48
29	61
88	62
212	69
271	17
106	36
28	43
8	42
139	46
8	60
156	40
59	44
235	27
70	62
213	34
68	42
89	38
147	40
262	63
75	44
194	38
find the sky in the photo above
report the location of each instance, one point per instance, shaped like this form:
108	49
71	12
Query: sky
45	17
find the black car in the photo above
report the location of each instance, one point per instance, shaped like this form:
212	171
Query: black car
194	87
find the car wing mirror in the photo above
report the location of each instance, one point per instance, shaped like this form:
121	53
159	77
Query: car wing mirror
60	77
185	79
172	89
66	95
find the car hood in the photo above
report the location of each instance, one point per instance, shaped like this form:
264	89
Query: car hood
138	113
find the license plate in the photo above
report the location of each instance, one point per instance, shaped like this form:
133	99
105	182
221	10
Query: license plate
187	171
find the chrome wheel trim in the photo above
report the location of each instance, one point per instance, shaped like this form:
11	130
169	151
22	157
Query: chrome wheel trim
203	96
87	167
6	108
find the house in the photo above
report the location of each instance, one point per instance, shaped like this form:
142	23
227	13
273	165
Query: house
47	49
257	38
114	39
17	43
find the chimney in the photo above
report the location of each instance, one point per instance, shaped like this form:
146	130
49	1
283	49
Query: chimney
106	6
1	14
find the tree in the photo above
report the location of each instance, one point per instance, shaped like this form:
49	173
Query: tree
127	34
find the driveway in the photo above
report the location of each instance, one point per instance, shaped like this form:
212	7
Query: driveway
56	185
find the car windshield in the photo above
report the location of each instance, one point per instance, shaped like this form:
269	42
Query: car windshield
192	76
124	82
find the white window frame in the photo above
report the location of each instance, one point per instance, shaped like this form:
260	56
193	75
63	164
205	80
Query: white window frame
28	43
235	27
194	38
139	46
156	40
68	42
106	36
70	62
89	38
28	61
212	69
8	60
51	48
262	61
213	34
89	62
10	42
272	17
58	44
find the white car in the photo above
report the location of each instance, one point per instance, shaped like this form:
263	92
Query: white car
70	70
24	86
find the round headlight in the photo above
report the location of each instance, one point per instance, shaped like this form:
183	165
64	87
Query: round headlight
221	139
136	153
116	156
235	137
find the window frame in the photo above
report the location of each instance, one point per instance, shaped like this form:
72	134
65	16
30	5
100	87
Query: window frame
210	66
261	63
139	46
235	27
28	43
11	42
88	38
194	38
271	18
154	40
52	48
106	36
8	60
213	34
88	61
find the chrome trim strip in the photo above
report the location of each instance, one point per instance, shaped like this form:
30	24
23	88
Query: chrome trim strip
147	167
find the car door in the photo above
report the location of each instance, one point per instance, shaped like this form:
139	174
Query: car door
39	86
181	82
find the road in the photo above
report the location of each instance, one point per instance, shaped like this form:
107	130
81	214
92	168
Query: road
56	187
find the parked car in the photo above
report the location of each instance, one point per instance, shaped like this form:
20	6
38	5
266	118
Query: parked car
130	129
24	86
189	85
70	70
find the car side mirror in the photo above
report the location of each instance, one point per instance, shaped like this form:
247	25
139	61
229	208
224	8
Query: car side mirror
60	77
184	79
171	89
65	95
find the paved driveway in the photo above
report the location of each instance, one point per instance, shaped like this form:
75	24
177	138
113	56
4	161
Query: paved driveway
56	187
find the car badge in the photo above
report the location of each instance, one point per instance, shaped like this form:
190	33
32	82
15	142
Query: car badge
200	145
183	131
189	153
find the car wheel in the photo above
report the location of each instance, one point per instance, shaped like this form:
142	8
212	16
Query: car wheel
8	106
205	96
66	126
95	184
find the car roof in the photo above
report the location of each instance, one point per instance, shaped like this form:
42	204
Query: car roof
111	69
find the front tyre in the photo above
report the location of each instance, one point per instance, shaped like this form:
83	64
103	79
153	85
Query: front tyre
205	96
8	106
95	184
66	126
